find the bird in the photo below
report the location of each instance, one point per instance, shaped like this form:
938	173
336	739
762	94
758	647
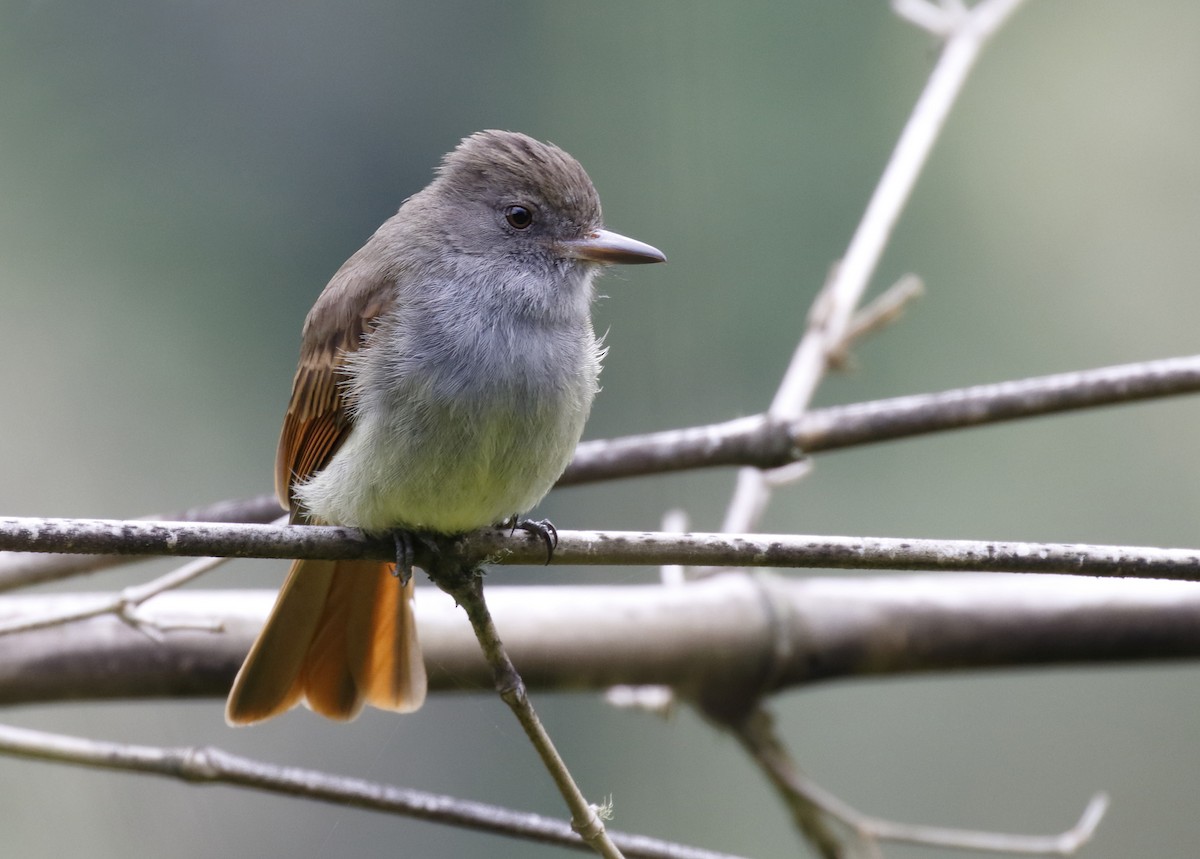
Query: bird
445	375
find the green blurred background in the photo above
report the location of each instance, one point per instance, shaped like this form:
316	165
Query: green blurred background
178	181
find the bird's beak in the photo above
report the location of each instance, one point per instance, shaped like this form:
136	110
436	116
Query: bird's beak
607	247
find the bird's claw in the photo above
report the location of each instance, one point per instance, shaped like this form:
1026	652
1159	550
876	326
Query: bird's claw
543	529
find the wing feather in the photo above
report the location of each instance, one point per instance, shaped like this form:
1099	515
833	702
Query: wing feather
318	417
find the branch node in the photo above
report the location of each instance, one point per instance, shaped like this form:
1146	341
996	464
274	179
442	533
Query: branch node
589	826
886	309
198	763
127	614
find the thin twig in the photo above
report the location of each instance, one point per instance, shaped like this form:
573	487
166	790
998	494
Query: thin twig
765	747
884	310
465	584
125	605
213	766
803	796
498	546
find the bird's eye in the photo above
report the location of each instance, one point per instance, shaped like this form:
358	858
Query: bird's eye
518	217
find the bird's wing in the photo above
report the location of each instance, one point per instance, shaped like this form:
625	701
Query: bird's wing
318	417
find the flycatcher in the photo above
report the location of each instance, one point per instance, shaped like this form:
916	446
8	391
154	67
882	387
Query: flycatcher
445	375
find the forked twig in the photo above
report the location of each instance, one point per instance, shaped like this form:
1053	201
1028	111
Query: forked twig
886	309
758	737
125	604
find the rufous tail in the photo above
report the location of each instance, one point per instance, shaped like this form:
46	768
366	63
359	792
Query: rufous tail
341	635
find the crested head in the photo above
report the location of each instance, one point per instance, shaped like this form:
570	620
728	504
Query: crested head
505	167
516	212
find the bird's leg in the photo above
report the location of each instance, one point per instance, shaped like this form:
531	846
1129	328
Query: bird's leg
404	556
406	551
543	529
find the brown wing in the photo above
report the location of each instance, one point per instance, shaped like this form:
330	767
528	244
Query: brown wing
317	419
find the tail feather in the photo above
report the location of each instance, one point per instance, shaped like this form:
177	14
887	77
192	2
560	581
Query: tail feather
341	634
334	661
392	675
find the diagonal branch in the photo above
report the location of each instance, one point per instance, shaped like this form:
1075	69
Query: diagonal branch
465	584
214	766
761	442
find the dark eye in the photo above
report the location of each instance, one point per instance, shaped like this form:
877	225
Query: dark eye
518	217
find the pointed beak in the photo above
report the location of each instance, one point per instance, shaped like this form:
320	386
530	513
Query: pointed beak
608	248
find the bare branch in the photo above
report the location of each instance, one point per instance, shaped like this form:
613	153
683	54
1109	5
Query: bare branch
725	641
214	766
763	443
498	546
900	417
20	570
1066	843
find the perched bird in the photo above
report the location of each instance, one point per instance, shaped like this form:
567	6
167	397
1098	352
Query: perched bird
445	375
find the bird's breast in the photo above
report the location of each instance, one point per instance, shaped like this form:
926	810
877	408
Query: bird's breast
458	430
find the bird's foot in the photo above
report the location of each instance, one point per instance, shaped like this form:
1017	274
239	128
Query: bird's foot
543	529
406	545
